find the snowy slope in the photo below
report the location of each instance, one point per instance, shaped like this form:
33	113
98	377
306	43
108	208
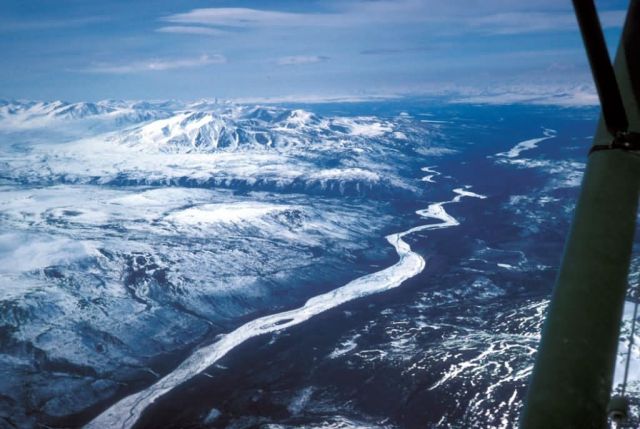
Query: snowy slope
209	144
133	231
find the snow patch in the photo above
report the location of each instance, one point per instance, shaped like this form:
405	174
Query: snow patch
224	213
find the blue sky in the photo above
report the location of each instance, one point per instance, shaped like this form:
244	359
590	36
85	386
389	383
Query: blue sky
189	49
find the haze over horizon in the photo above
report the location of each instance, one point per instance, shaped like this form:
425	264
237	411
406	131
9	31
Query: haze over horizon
289	50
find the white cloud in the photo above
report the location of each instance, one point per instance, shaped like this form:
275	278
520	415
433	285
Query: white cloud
301	59
533	22
494	17
235	17
157	65
183	29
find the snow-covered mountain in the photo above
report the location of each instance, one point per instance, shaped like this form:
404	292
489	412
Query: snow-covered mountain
181	215
212	144
249	128
17	115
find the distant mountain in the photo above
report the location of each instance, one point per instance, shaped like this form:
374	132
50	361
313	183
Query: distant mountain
226	145
38	114
231	128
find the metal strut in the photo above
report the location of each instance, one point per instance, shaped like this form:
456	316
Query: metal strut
622	140
618	409
631	342
613	111
570	386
